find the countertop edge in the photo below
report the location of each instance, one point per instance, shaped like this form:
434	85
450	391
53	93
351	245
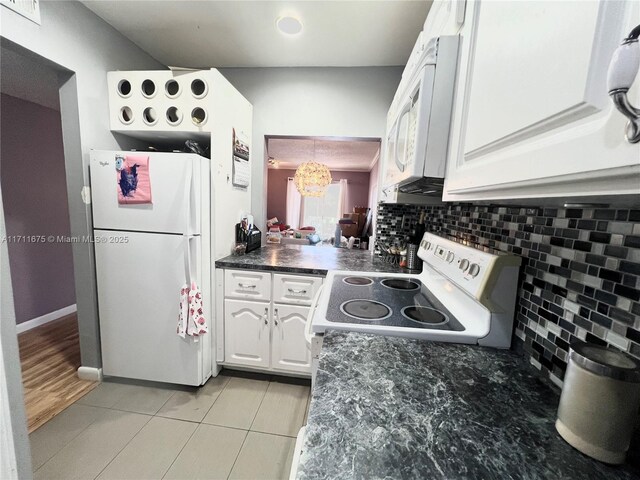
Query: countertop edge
270	268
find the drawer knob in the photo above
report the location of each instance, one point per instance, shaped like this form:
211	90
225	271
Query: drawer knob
249	285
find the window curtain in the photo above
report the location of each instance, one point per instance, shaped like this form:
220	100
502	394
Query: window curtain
342	199
294	205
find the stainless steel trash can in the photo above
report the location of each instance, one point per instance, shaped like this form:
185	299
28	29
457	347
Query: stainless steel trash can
599	402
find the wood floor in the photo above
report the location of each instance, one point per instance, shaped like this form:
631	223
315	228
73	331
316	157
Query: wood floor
50	357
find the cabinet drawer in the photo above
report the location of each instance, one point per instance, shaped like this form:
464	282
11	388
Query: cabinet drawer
247	284
295	289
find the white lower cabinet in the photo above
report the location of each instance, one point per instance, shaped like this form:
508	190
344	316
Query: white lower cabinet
289	351
269	335
247	329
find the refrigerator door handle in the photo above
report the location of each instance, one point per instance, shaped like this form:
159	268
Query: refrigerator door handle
188	187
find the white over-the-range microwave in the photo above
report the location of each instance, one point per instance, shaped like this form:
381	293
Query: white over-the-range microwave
418	123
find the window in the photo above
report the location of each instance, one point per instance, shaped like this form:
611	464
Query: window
323	212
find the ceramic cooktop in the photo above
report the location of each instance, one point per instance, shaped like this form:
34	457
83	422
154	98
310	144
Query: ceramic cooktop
401	302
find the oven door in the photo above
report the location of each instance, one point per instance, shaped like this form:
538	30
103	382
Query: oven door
407	139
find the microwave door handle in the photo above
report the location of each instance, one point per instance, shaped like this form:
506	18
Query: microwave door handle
395	146
405	111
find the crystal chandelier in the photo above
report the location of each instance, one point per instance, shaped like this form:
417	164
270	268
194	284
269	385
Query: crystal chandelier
312	178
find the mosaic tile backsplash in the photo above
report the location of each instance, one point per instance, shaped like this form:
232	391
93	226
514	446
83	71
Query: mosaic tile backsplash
580	276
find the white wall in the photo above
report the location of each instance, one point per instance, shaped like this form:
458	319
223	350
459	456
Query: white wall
342	102
73	38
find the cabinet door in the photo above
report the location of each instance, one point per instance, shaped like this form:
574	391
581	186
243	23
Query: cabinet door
289	349
532	116
246	332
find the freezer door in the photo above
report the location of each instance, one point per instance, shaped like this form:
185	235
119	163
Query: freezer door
139	279
168	174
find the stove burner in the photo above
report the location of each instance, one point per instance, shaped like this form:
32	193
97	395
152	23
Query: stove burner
400	284
358	281
425	315
365	309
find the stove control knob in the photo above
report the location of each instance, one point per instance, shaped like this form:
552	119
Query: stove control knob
450	256
427	245
464	264
474	269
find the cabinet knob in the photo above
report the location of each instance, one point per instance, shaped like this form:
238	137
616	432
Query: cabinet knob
266	316
275	316
245	285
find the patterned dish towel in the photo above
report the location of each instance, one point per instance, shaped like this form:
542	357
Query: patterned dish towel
191	319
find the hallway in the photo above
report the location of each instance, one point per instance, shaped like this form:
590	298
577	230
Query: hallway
50	356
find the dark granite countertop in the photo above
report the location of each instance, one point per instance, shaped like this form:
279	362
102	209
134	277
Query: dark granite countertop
388	407
313	260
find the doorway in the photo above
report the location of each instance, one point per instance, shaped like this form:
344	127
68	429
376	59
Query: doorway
36	212
348	200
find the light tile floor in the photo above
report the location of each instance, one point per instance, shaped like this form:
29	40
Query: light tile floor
239	426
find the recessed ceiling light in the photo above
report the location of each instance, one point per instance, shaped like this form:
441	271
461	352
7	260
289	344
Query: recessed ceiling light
289	25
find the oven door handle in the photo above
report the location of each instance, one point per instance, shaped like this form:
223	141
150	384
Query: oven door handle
308	336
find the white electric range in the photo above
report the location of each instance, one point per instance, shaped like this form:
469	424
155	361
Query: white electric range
462	295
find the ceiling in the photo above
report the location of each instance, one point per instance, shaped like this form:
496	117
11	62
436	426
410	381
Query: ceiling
25	78
337	154
203	34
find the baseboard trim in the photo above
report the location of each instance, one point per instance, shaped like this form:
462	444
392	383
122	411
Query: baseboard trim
49	317
90	373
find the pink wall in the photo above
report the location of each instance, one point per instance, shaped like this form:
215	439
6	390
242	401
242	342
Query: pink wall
34	193
277	193
358	193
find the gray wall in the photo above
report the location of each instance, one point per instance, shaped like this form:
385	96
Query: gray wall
75	40
340	102
34	190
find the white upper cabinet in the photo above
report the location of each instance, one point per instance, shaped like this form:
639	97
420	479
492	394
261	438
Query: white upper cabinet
532	115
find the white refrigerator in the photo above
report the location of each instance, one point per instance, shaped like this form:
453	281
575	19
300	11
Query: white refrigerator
141	265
